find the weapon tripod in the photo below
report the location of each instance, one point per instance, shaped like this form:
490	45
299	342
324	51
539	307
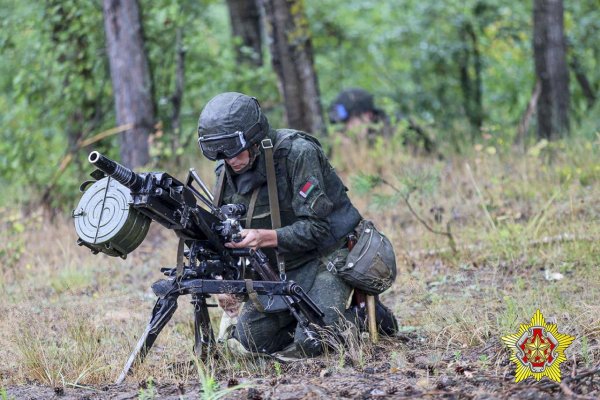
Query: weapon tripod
194	281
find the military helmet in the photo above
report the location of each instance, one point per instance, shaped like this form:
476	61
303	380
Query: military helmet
229	124
351	102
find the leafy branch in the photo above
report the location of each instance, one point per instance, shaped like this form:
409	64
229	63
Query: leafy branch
411	184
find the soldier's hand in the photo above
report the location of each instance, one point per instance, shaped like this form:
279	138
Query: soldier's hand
255	239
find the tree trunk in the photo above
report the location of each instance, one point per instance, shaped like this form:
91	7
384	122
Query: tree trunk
292	57
551	68
245	24
586	86
131	78
471	82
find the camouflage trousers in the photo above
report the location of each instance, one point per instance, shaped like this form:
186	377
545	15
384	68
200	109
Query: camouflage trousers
272	332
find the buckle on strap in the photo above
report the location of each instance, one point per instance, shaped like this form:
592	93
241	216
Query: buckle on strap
266	143
253	296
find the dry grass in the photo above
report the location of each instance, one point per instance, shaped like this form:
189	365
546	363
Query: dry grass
66	315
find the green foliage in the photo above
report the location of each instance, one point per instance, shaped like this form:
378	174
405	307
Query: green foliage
363	183
210	63
210	388
407	53
277	366
423	181
71	279
13	230
585	352
583	165
13	244
582	27
4	394
148	392
55	86
53	89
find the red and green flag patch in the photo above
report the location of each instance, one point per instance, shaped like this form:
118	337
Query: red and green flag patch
307	188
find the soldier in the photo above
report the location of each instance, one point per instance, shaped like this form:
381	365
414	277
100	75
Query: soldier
355	108
301	222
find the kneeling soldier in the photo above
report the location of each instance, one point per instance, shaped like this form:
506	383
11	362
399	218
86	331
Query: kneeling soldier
298	213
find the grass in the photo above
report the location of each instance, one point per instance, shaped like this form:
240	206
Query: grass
346	347
4	395
71	279
148	390
67	354
516	219
210	388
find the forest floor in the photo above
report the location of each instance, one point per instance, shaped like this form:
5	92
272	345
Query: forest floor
527	234
415	364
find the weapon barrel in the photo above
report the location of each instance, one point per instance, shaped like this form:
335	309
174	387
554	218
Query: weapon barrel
118	172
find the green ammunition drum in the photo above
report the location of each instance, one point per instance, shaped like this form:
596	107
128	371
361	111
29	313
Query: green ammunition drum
105	222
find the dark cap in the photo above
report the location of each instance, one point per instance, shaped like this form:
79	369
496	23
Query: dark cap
351	102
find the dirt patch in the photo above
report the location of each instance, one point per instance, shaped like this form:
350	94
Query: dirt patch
417	375
458	383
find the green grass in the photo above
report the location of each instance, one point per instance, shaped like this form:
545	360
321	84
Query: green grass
71	279
148	391
4	394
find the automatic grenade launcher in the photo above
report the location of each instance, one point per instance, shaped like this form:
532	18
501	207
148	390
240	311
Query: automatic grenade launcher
113	217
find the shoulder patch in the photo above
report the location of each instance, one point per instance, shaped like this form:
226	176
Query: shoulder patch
308	187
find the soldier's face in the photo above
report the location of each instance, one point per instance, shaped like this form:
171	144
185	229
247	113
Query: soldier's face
239	162
358	125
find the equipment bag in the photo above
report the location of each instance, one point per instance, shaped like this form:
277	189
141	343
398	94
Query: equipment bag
371	264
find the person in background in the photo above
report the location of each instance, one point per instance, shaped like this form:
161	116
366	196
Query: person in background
355	109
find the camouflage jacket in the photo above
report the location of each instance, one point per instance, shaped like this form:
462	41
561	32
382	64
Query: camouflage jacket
316	213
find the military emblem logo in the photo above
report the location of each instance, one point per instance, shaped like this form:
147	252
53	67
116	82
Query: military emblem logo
538	349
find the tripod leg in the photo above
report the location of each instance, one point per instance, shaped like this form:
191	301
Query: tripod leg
204	339
372	319
161	314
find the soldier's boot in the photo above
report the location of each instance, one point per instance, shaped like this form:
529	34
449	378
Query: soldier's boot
386	322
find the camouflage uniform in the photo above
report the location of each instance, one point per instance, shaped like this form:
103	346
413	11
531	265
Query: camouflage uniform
316	217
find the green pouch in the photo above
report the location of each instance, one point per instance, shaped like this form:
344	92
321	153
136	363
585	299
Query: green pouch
371	264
